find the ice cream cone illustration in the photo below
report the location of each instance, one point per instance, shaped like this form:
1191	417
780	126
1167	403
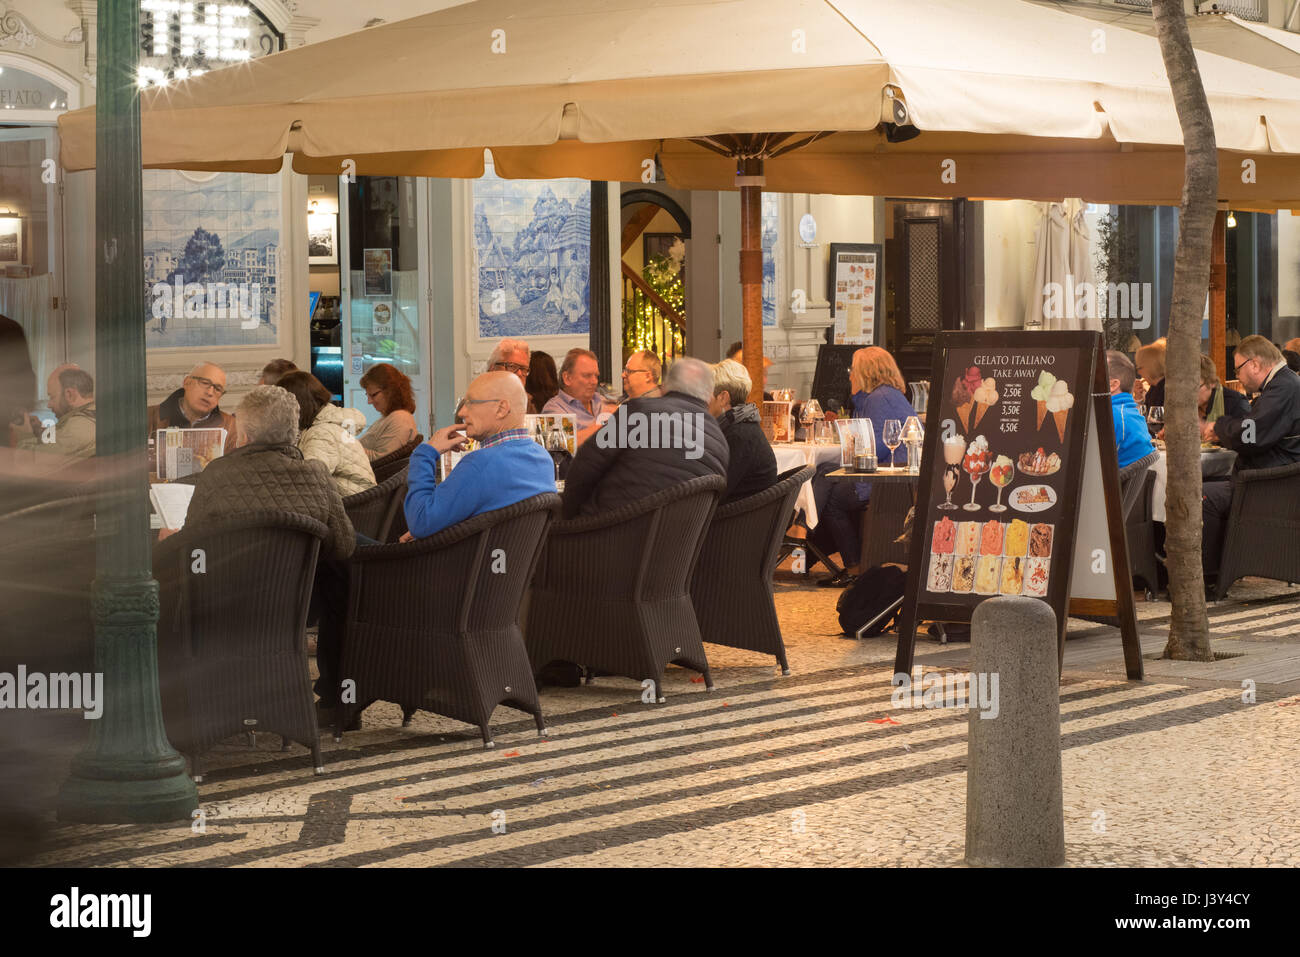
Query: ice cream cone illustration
1059	404
1060	422
1042	392
963	394
984	397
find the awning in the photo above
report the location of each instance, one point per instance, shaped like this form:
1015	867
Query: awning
1010	91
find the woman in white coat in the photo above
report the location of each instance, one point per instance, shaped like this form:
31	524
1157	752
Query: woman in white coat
329	433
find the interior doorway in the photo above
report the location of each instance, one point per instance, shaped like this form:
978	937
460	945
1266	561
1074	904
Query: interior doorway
655	231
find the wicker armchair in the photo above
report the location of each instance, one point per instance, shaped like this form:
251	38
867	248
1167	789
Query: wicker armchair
1139	530
612	590
433	624
374	511
386	466
1263	527
47	565
732	588
232	652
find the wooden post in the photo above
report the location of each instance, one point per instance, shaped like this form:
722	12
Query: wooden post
1219	295
750	180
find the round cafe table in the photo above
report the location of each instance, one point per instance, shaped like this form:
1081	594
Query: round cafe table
795	455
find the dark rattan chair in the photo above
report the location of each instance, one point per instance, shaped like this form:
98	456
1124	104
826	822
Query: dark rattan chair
612	590
1263	527
732	588
433	624
374	511
386	466
232	652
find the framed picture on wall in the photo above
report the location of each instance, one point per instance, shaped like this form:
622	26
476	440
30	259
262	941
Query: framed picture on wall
11	239
322	239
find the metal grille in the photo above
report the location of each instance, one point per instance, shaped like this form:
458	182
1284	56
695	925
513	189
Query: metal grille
1144	4
923	276
1244	9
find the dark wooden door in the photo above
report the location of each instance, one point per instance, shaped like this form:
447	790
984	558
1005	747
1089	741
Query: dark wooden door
925	251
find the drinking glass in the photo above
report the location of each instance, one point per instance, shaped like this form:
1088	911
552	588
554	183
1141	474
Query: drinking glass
825	432
893	436
1156	416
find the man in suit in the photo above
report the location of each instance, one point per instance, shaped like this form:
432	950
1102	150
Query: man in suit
1268	436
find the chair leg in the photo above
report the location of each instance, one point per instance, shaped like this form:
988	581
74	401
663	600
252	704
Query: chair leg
317	762
541	724
708	681
196	772
406	716
488	743
785	665
252	739
284	742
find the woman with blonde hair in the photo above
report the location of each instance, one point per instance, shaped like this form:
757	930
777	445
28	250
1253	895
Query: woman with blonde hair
1150	362
877	395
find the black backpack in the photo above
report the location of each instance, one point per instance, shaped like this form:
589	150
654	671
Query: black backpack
875	590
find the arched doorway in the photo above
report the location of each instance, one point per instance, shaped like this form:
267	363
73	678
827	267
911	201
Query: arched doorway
655	230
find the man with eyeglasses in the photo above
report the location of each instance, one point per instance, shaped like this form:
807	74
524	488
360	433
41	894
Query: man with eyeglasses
1268	436
513	356
195	405
507	467
641	375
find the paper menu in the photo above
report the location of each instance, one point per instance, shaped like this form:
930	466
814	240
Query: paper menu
182	452
171	500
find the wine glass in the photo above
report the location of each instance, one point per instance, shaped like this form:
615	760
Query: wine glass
1000	475
893	436
1156	416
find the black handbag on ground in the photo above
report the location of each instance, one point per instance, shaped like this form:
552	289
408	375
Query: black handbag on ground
875	590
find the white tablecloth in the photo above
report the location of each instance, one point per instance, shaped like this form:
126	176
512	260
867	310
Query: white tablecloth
795	455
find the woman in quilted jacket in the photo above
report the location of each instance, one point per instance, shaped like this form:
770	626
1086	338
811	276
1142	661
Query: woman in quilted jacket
329	434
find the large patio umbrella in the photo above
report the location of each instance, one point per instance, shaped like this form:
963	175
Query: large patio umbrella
999	99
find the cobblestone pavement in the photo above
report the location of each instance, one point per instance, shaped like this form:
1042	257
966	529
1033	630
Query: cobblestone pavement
815	768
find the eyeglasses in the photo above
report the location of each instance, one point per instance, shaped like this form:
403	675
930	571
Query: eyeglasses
627	371
209	384
468	401
1238	366
514	367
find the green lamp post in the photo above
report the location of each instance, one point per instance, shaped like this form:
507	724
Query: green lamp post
129	772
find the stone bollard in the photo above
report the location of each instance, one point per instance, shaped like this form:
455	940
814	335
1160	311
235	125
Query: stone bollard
1014	811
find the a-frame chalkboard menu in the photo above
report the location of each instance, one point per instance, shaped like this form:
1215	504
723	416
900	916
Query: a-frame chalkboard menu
1019	441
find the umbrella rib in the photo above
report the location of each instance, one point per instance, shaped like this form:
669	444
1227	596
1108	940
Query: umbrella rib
799	144
709	144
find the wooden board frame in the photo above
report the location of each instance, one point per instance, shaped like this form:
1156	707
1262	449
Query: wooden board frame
1090	374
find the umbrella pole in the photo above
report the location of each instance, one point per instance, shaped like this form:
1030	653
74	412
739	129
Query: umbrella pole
750	180
1219	295
129	771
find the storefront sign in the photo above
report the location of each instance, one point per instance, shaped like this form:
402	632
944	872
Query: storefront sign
1011	427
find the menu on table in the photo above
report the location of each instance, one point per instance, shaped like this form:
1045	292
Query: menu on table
1011	420
183	452
776	421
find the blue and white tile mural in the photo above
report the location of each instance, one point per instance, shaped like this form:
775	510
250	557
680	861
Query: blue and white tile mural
211	259
532	242
770	221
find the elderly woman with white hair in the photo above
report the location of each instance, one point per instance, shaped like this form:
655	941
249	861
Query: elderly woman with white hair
752	466
266	471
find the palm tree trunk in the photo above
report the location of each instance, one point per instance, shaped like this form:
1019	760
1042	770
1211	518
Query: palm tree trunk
1189	630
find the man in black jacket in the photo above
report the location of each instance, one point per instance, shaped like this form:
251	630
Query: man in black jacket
1269	436
752	464
648	445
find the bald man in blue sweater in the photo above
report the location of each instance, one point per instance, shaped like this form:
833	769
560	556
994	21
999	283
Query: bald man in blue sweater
508	466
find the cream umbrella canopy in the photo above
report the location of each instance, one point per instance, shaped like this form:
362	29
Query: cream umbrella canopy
936	98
